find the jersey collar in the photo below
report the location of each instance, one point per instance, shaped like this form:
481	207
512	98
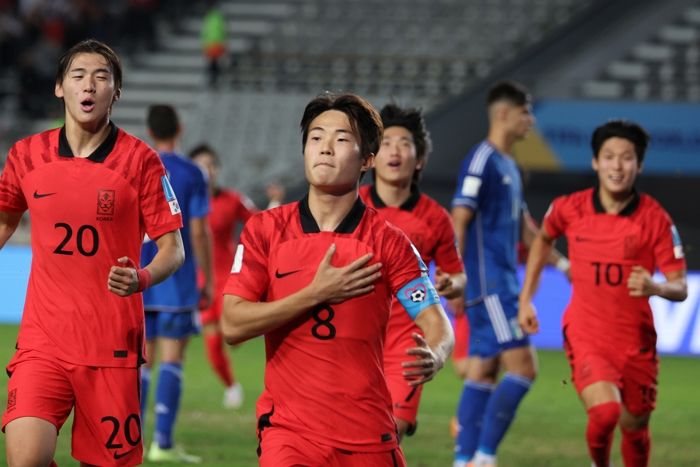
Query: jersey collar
627	211
407	205
346	226
102	151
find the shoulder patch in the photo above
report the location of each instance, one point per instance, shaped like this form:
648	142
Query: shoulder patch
170	195
677	244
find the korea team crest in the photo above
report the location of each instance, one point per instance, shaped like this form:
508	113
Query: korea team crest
105	204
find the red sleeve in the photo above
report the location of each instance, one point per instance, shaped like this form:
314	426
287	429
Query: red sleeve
160	215
11	195
554	222
403	263
249	277
446	254
668	249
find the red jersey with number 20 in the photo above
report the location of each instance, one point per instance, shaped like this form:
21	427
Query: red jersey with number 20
602	249
428	226
324	378
85	213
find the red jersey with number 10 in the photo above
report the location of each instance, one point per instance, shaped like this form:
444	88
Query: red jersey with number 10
428	226
85	213
602	249
324	376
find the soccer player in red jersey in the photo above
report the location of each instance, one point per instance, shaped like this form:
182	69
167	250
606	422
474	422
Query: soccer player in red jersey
92	192
317	278
229	211
402	155
617	238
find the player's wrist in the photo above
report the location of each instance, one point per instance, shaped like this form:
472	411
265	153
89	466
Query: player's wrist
144	279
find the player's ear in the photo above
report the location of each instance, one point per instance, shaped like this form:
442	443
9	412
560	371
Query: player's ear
117	95
594	163
58	90
368	162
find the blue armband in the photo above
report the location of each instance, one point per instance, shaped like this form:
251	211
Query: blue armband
418	295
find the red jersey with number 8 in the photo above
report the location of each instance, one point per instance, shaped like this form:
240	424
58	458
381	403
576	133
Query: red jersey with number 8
324	378
85	213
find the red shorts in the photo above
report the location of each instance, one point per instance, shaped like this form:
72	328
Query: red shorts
634	372
106	423
280	447
404	398
461	328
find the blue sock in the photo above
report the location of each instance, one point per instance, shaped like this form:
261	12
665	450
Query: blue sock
167	402
145	384
469	415
500	411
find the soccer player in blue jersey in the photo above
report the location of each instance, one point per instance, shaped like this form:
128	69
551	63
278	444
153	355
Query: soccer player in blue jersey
172	306
490	217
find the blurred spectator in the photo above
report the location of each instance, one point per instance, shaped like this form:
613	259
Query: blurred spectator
140	25
214	40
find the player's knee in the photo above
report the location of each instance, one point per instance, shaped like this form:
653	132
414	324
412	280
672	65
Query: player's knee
632	422
605	416
19	457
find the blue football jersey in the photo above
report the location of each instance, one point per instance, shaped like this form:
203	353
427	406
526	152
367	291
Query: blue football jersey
179	292
489	184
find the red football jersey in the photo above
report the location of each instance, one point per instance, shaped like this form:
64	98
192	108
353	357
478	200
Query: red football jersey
602	249
85	213
324	376
229	210
429	227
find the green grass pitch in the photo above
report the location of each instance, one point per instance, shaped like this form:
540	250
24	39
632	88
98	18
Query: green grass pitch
548	430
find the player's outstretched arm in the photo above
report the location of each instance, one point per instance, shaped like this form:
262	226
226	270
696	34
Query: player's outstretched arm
125	280
529	233
432	349
200	235
450	285
461	217
242	319
641	284
8	224
540	251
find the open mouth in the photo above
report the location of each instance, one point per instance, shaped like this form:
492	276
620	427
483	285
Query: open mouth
394	164
87	105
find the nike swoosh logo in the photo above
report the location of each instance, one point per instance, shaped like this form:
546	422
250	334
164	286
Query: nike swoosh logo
118	455
280	275
38	195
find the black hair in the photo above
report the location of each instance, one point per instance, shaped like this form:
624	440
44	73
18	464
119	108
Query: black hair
412	120
509	91
163	122
204	148
91	46
364	118
630	131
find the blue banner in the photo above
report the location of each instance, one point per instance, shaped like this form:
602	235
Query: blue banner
677	324
567	126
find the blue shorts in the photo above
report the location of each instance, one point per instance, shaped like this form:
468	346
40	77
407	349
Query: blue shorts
174	325
493	326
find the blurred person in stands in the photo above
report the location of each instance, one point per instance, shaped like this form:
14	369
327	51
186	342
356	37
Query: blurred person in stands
403	154
490	216
617	239
213	38
172	306
92	191
316	278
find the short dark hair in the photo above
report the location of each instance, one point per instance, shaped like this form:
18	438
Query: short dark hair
412	120
204	148
364	118
163	122
509	91
630	131
91	46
